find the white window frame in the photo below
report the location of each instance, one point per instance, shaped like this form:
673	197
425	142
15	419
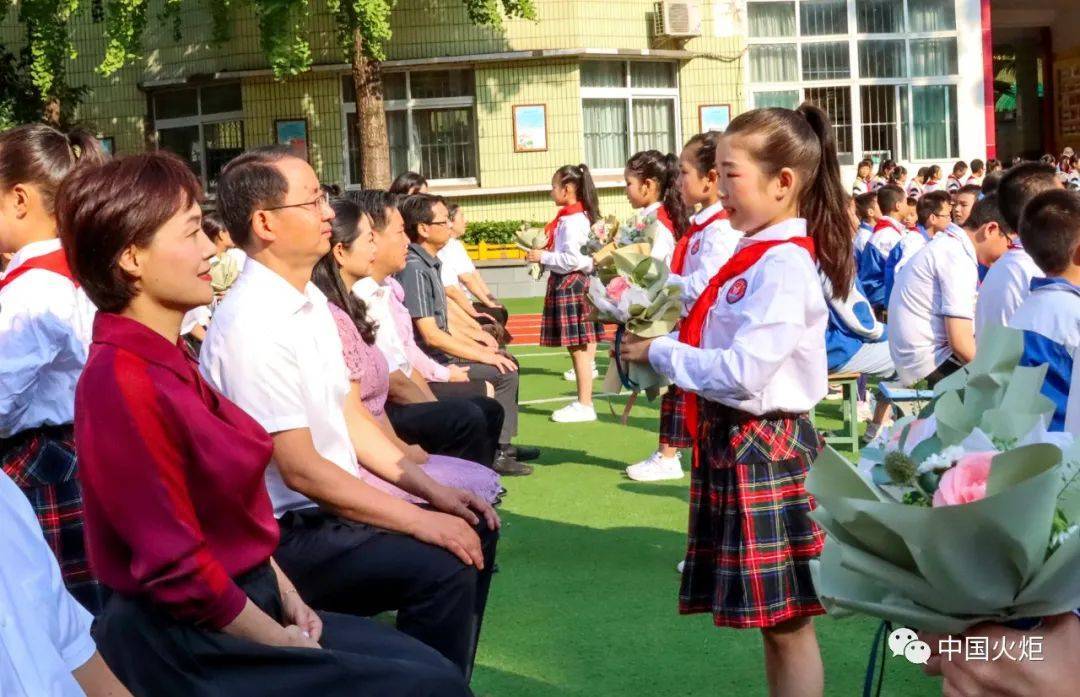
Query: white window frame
408	105
197	120
629	94
854	83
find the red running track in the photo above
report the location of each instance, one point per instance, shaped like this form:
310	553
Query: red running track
526	329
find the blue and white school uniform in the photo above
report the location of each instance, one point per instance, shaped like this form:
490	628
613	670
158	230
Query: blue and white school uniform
886	235
911	241
915	189
760	367
952	184
663	244
862	236
708	250
855	340
861	186
1050	320
1005	286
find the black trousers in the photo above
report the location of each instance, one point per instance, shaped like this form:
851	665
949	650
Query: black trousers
950	366
506	392
342	566
155	655
453	390
465	428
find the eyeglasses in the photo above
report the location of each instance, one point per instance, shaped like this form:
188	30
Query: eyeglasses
320	201
441	222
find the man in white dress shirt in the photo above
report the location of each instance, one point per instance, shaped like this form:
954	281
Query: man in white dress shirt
274	350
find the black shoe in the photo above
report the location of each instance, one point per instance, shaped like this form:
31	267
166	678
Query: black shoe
509	467
523	453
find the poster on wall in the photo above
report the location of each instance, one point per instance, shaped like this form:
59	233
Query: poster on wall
530	128
714	117
294	133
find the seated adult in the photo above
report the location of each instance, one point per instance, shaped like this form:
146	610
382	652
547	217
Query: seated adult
427	227
415	377
274	349
459	274
178	521
353	247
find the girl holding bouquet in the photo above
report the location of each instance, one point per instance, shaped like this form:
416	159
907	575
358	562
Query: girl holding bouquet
705	245
752	354
566	311
652	189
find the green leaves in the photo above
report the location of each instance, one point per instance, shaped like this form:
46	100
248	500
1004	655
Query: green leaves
283	35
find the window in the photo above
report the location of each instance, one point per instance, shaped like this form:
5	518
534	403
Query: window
627	106
430	123
203	125
885	70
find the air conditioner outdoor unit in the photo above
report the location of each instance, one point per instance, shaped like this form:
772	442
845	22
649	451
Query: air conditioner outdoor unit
678	19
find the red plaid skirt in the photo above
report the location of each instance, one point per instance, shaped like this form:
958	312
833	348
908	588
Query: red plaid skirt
750	538
566	312
41	462
673	430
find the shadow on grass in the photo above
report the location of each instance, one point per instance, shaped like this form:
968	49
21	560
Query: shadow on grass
676	489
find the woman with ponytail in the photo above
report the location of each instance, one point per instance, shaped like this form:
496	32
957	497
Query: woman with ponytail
566	311
45	329
652	187
752	355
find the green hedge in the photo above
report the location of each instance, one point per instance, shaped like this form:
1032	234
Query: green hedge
494	231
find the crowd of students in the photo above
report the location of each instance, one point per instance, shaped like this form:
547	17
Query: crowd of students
232	522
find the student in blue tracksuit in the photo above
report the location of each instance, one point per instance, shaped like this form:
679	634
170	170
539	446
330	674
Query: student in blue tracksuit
1050	315
867	211
887	233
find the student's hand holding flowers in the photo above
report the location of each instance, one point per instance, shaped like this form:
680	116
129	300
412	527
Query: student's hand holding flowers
534	256
635	349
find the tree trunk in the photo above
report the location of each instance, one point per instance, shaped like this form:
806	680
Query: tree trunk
51	112
370	118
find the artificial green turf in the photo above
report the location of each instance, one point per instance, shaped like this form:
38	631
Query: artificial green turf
523	306
585	600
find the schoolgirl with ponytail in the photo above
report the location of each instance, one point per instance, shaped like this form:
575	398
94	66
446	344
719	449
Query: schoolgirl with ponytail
45	330
566	311
652	187
752	353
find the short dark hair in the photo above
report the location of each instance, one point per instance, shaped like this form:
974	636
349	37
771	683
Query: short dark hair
103	209
1050	229
986	210
418	210
888	196
1022	183
991	181
212	226
452	209
866	162
977	165
930	202
973	189
375	202
248	182
993	164
408	183
864	202
959	167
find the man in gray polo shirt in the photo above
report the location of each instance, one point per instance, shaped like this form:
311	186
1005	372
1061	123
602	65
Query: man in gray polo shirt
428	226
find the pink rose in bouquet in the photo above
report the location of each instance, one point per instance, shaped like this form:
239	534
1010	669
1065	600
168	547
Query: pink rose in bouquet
966	482
617	287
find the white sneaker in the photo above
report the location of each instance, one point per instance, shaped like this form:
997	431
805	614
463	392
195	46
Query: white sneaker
573	413
571	375
656	468
680	566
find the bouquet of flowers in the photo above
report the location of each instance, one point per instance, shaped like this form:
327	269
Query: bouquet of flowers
636	236
600	234
639	299
528	239
967	515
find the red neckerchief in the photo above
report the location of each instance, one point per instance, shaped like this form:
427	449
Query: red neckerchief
55	261
664	218
883	223
563	212
690	332
682	247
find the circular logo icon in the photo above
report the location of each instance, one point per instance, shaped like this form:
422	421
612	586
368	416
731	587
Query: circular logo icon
737	290
696	247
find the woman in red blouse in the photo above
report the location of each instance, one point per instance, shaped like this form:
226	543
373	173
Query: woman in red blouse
178	521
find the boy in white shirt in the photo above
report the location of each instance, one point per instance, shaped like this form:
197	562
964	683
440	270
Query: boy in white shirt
1050	316
932	308
1009	281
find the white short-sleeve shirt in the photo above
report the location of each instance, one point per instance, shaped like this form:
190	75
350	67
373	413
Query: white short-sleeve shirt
455	262
940	281
1005	286
44	631
45	329
276	353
